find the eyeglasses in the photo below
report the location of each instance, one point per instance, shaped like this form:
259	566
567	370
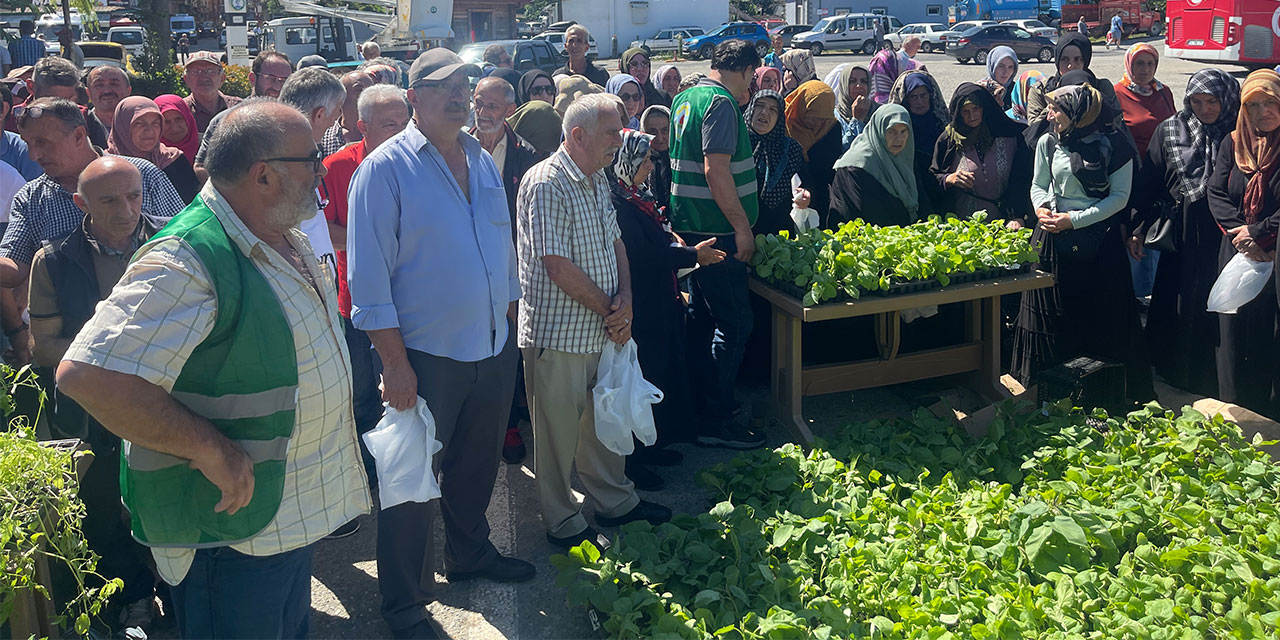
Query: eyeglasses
544	90
20	111
207	71
457	87
275	79
629	97
316	160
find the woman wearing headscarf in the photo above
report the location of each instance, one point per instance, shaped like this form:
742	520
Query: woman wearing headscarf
179	126
1182	333
1002	71
1072	53
635	63
980	159
1083	177
667	81
887	66
570	88
811	122
876	180
797	69
654	254
535	85
626	87
539	124
767	79
778	158
656	121
854	105
1146	102
918	92
136	132
1244	197
1021	89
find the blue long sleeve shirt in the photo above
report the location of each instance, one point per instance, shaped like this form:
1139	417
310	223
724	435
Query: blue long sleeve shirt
425	259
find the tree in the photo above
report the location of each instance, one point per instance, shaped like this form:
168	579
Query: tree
536	9
756	7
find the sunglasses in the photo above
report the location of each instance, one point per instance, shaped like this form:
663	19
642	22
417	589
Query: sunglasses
629	97
543	90
20	111
316	160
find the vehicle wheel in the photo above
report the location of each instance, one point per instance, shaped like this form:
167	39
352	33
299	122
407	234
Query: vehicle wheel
980	56
1045	54
869	47
762	48
927	47
706	52
962	60
815	49
1156	29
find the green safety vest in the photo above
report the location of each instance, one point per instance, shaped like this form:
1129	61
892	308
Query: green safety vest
692	207
244	379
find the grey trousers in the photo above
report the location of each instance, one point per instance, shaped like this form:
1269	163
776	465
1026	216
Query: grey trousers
470	402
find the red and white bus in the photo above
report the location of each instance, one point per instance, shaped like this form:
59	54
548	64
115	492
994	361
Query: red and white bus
1244	32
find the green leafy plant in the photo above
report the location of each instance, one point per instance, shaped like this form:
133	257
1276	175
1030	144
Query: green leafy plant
1066	525
858	257
40	512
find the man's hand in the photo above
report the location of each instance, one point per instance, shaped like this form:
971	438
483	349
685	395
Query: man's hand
230	469
746	244
618	322
1137	247
19	353
399	386
707	253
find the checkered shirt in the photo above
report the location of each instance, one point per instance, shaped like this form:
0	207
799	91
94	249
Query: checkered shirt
333	140
165	305
563	212
43	210
26	50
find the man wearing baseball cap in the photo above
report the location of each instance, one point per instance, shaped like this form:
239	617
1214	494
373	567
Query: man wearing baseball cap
204	76
430	201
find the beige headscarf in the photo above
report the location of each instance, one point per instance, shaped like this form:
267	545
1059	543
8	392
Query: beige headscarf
571	88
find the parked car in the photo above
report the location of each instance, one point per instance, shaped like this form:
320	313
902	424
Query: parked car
131	38
526	55
975	44
556	40
207	29
931	38
788	31
665	39
960	28
704	45
854	31
110	54
1036	28
562	25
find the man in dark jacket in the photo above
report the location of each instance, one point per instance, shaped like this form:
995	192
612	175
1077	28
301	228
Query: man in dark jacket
69	276
495	101
577	42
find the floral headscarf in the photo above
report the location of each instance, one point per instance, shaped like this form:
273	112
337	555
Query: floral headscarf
628	158
1127	81
1021	90
799	63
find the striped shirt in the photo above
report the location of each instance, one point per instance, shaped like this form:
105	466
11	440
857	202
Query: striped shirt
165	306
27	50
563	212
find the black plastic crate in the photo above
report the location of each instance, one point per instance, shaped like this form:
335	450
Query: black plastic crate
1088	382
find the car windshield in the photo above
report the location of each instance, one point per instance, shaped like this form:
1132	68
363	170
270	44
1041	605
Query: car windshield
127	37
822	24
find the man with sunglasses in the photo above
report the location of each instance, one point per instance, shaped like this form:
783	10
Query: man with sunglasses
267	75
433	281
204	75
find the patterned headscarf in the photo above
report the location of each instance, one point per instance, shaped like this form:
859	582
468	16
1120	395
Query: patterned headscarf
1127	80
1256	153
1021	90
628	158
800	63
1092	152
1082	104
870	152
813	98
120	142
926	128
1191	146
777	156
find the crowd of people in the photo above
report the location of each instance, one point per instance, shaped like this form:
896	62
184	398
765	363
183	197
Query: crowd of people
222	295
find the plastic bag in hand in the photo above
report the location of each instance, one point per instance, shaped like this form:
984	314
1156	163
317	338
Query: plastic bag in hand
623	400
403	444
1240	281
804	219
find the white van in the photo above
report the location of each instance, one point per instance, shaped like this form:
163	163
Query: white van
133	38
854	31
295	37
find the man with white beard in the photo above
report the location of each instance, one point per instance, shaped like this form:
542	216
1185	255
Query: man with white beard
219	359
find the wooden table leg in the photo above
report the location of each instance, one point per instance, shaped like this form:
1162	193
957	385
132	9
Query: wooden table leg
985	315
790	377
888	334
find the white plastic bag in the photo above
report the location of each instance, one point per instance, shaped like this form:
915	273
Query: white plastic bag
403	444
623	400
1240	281
804	219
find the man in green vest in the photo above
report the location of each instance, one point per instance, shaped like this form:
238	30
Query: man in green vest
219	360
713	195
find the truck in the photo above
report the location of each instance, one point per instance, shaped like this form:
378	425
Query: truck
998	10
1097	17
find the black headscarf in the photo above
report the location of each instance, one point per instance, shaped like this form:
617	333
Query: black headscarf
1095	148
1080	41
1190	146
506	73
777	156
523	89
995	124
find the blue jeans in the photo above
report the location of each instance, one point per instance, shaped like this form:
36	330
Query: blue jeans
228	594
366	400
1144	272
719	324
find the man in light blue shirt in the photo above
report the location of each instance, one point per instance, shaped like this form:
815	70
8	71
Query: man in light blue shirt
432	273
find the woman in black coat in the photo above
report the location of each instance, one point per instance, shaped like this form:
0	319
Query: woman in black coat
1244	197
1181	332
655	254
981	160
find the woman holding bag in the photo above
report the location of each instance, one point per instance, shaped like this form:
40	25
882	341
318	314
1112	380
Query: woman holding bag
1180	160
1244	197
1083	176
655	254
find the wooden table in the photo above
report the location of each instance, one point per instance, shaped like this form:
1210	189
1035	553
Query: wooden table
791	381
